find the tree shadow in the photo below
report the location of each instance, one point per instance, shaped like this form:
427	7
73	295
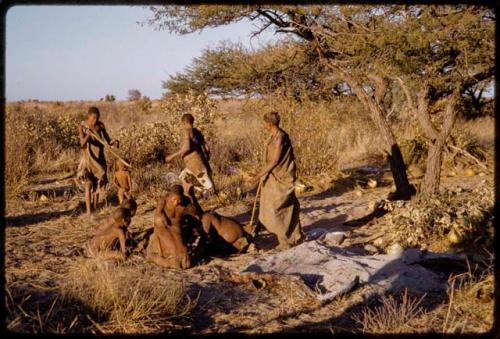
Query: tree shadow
400	282
30	219
57	313
215	297
52	192
325	209
52	180
330	224
352	178
377	213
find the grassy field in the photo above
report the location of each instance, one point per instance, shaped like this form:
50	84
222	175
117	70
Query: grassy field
51	287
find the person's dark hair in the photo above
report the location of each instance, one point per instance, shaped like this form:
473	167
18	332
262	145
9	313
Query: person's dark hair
187	118
94	110
177	190
120	213
129	204
272	118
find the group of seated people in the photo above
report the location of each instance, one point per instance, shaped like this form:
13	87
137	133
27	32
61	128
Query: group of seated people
183	233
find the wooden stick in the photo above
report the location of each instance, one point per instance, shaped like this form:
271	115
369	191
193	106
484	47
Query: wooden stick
464	152
112	151
255	203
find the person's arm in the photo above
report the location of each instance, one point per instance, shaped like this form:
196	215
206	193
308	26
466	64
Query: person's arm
276	149
107	137
206	222
204	146
129	179
121	237
194	208
184	147
160	219
115	182
84	138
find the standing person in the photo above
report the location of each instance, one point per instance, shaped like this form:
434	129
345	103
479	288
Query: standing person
279	208
122	181
92	168
195	153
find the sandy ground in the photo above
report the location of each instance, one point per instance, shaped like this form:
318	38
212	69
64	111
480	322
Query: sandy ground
43	239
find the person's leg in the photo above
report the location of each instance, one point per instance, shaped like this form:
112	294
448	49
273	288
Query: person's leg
96	197
120	195
88	197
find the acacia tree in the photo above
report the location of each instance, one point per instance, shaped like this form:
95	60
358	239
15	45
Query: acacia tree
134	94
359	44
285	68
451	55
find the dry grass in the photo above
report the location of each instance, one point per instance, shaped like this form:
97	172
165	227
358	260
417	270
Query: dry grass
127	301
135	297
326	136
394	315
467	308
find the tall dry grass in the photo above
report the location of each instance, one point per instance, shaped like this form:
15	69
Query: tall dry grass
96	296
468	307
326	136
124	300
394	315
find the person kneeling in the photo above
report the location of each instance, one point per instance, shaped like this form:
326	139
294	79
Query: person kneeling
171	249
228	229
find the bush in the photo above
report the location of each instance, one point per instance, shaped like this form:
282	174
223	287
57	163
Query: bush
147	144
466	213
134	94
29	133
109	98
144	104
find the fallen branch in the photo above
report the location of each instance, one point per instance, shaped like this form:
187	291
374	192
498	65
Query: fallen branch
464	152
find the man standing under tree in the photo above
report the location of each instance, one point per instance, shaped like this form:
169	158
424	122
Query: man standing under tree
92	168
279	207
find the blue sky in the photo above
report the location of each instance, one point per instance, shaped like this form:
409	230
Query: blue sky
86	52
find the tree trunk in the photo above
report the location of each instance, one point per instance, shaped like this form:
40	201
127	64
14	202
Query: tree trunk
404	190
432	176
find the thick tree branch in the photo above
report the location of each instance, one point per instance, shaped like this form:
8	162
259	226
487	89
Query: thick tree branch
420	112
450	115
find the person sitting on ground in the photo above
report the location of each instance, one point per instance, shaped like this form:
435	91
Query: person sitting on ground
122	181
195	153
104	243
128	204
172	251
216	225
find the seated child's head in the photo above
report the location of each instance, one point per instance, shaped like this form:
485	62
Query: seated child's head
121	216
129	204
175	194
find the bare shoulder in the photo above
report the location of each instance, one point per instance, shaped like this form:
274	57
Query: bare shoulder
160	205
280	138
